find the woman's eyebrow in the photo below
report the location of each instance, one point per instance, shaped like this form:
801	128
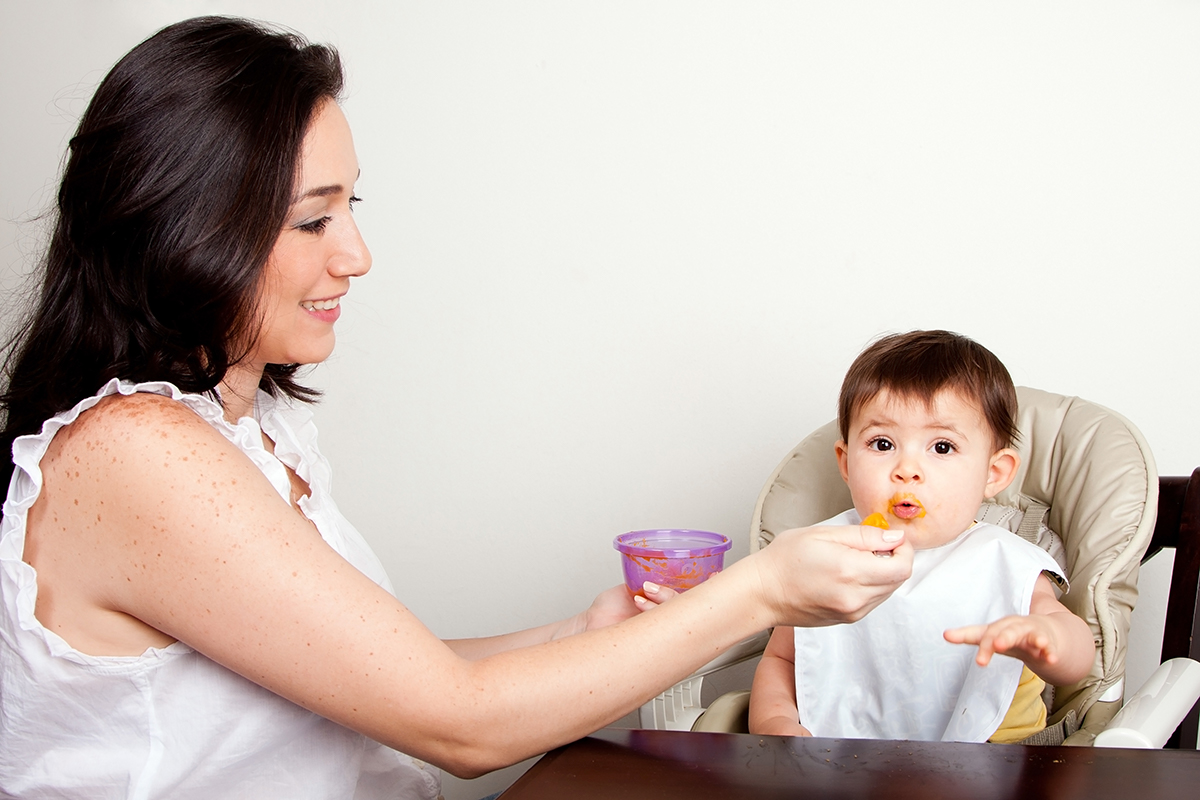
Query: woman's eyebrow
320	191
323	191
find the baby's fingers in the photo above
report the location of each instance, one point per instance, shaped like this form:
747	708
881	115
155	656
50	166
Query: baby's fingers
1032	645
968	634
973	634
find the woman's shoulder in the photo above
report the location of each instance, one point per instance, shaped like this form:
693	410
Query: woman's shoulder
141	417
126	417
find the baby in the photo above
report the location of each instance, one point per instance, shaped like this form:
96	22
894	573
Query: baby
927	421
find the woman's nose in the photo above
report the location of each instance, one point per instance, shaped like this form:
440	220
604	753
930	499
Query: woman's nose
352	259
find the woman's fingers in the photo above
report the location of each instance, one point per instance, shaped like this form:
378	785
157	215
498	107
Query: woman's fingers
829	575
610	606
655	595
880	541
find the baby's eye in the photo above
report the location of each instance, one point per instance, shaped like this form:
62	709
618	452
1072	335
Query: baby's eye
881	444
943	448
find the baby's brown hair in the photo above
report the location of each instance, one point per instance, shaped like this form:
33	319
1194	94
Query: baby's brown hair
919	364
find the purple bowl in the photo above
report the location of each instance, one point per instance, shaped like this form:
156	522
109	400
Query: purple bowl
674	557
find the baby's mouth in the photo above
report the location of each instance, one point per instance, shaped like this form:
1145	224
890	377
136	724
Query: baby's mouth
906	507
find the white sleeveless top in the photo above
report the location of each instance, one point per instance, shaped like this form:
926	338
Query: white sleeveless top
170	723
891	675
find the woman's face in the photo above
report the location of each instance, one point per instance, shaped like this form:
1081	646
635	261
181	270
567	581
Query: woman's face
317	252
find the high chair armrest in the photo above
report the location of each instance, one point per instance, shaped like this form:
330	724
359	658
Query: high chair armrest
678	707
1154	711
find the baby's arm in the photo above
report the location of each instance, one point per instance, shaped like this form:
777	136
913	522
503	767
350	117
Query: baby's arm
773	694
1054	643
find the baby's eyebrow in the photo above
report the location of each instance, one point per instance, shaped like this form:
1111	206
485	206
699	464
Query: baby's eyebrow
940	428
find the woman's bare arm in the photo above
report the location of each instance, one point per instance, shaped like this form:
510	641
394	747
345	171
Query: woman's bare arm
151	518
611	606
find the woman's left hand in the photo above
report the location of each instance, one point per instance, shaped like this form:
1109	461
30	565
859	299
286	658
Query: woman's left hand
612	606
617	604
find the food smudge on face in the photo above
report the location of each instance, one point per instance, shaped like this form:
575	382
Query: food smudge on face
906	506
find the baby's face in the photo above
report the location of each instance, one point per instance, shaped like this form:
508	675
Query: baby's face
925	468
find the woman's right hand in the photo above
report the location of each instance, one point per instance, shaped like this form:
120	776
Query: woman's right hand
822	576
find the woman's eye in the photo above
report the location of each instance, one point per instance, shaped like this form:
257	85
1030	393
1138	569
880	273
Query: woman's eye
943	448
316	226
880	445
354	200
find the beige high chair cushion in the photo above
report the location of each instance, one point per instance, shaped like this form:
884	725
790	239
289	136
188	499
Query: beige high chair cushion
1088	464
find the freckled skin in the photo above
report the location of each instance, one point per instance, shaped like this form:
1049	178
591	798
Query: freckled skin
68	535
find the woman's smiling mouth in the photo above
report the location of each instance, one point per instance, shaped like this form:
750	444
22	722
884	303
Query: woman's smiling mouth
320	305
326	311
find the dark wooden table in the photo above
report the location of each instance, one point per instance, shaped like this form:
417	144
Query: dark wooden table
662	765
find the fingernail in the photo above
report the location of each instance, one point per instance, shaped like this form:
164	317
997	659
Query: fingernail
893	536
650	588
638	600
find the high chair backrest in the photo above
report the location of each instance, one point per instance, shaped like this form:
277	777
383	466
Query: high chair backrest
1094	471
1177	527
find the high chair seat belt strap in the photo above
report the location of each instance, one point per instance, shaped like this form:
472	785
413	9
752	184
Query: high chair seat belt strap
1032	521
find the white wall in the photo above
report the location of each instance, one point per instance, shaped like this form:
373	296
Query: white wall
624	251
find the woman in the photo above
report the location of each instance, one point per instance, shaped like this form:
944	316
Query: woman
186	613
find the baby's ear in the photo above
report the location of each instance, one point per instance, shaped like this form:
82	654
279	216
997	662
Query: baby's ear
1001	470
839	450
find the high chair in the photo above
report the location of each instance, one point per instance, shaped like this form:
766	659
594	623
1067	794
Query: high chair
1177	526
1087	491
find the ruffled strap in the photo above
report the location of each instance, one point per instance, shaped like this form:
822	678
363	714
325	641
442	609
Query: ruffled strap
294	433
19	581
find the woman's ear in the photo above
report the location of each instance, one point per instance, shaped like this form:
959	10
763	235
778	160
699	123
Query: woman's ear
1001	470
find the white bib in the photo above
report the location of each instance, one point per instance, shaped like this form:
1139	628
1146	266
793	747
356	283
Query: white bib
891	675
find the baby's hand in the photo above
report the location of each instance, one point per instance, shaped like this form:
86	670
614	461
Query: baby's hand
1030	639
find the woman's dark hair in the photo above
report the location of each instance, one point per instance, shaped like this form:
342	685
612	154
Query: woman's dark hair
175	188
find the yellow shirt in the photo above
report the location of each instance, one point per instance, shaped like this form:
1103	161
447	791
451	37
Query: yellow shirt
1026	714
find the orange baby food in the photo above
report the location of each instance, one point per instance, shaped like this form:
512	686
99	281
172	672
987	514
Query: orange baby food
679	574
876	520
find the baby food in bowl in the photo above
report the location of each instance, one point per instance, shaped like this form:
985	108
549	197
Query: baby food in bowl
674	557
